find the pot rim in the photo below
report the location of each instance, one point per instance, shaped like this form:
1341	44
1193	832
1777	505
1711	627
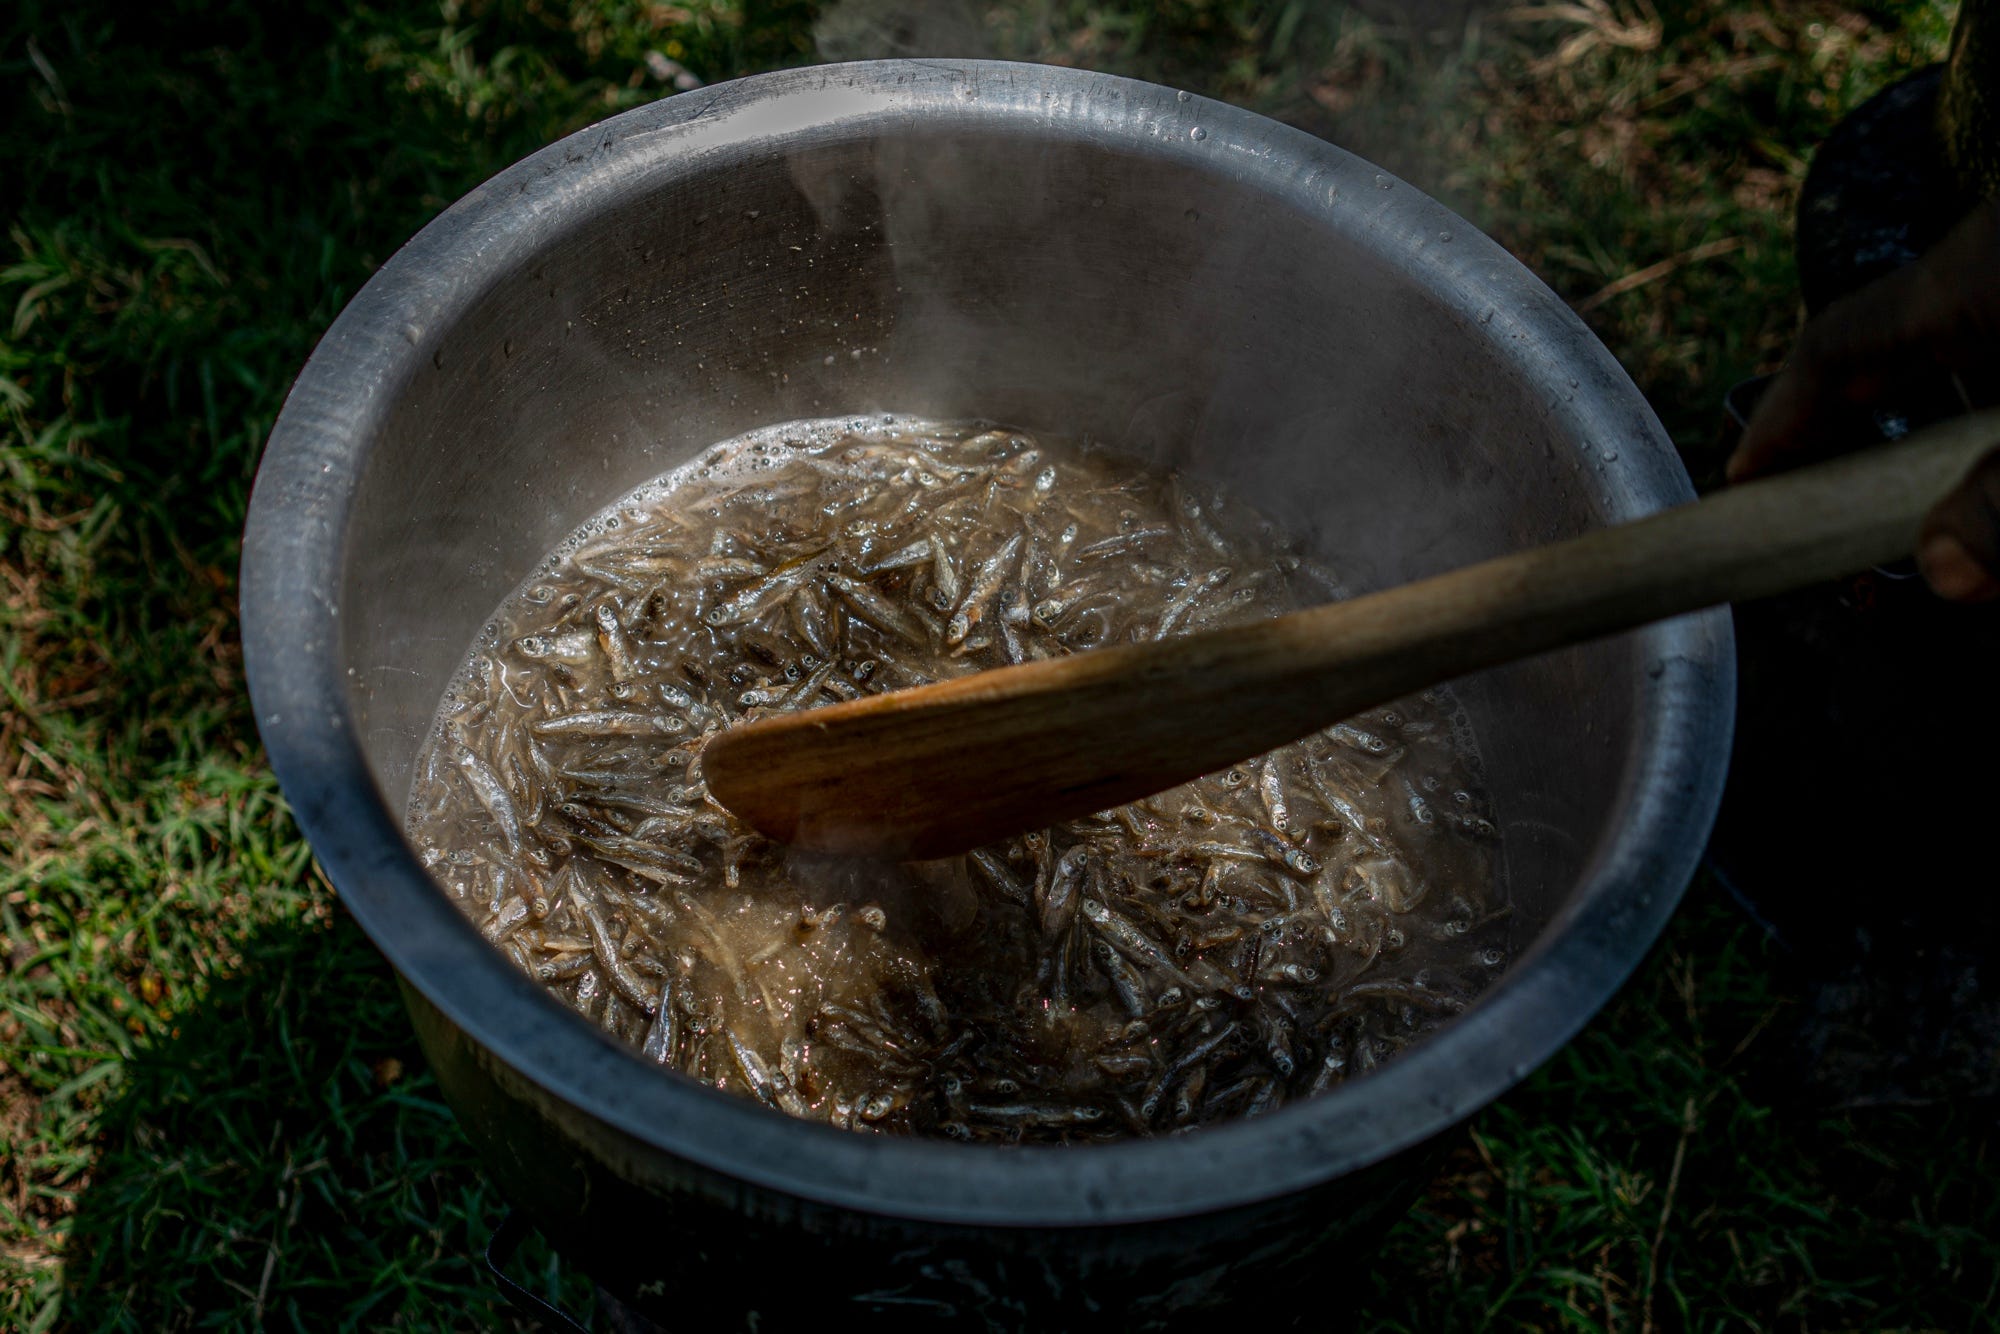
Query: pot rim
294	555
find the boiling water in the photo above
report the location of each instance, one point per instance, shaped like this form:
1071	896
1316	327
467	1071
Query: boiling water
1257	935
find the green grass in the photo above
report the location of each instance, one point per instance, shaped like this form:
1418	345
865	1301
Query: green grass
1652	1176
211	1111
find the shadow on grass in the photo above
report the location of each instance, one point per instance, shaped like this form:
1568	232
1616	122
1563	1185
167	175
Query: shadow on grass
281	1161
1666	1171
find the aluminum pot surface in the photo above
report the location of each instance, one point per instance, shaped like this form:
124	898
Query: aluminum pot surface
1067	252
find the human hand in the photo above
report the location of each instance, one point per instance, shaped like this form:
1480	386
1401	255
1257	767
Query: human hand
1940	313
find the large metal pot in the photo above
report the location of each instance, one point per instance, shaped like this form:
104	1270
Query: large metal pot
1053	248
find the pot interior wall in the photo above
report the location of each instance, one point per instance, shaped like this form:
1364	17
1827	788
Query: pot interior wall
1058	285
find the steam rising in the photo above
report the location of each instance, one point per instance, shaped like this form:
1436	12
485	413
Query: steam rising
900	29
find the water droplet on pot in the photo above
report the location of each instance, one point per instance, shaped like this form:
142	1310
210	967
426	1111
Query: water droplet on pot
1197	134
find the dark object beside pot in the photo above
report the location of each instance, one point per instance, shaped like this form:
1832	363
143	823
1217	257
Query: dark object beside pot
1871	697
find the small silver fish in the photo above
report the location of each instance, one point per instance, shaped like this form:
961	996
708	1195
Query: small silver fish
610	722
986	581
1036	1113
1187	1060
760	597
878	611
916	553
1121	544
1125	981
809	619
763	696
664	865
492	794
726	567
611	639
1056	894
996	873
1188	597
627	982
663	1036
1288	855
1271	790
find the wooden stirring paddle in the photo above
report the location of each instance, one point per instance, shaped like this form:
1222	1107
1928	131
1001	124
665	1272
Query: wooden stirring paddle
944	768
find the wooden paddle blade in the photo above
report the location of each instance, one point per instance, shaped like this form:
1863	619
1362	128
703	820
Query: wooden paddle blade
945	768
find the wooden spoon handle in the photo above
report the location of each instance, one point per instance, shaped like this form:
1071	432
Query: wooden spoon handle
947	767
